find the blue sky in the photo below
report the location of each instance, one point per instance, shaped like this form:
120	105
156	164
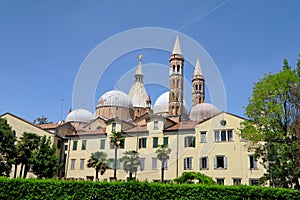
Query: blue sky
43	44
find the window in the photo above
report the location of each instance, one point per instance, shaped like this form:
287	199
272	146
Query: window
73	164
122	144
111	146
166	140
252	162
83	145
166	164
203	163
142	142
81	163
155	125
220	181
102	144
66	147
188	163
220	162
155	142
253	182
113	127
142	164
111	163
203	136
189	141
237	181
120	164
75	145
223	135
154	163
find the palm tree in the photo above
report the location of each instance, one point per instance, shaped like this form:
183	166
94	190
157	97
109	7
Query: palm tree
131	162
28	143
116	139
98	160
163	155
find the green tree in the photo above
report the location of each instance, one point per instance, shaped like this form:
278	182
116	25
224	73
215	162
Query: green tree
7	148
98	160
188	177
272	110
44	162
163	155
116	139
131	162
27	144
41	120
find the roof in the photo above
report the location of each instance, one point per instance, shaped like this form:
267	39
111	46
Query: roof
137	129
93	132
49	126
115	98
185	125
24	120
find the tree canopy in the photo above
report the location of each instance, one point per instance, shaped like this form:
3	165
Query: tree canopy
189	177
7	148
273	110
131	162
98	160
44	162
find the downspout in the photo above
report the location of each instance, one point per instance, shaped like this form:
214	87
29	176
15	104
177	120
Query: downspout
68	156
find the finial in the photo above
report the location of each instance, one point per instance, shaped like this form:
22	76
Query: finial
140	57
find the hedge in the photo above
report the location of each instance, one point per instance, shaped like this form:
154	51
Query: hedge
57	189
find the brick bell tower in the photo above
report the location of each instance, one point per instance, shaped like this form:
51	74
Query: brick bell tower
176	81
198	82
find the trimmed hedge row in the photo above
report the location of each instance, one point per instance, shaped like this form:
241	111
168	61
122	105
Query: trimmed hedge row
56	189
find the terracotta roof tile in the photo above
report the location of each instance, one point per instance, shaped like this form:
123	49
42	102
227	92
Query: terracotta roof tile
183	125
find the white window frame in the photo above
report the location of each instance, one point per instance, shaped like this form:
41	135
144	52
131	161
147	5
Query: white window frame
252	162
224	135
201	163
154	163
203	136
188	163
142	164
155	125
224	162
82	163
73	162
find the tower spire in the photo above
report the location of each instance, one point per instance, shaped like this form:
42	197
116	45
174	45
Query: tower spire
177	48
198	81
139	72
197	71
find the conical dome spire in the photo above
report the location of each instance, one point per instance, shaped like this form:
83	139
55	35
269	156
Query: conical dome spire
197	70
177	48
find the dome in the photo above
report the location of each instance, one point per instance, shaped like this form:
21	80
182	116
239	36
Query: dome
161	104
203	111
115	98
79	115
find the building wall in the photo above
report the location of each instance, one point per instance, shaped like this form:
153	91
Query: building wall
20	126
235	151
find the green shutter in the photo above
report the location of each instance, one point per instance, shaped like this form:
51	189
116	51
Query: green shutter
166	140
75	145
155	142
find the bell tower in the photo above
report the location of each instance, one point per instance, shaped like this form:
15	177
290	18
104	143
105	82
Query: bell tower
176	62
198	83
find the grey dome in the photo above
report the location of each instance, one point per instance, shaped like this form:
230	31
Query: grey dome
115	98
79	115
203	111
161	104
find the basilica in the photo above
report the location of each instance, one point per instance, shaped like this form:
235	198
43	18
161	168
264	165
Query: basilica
202	139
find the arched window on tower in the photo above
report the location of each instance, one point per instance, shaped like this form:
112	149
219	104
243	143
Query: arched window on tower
177	84
178	68
173	84
196	87
173	68
200	87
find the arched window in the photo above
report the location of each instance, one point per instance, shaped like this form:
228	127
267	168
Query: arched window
178	68
173	68
196	87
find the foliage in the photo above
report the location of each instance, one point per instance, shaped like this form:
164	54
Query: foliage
27	144
98	160
273	110
163	155
7	148
56	189
41	120
188	177
44	162
131	162
116	139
